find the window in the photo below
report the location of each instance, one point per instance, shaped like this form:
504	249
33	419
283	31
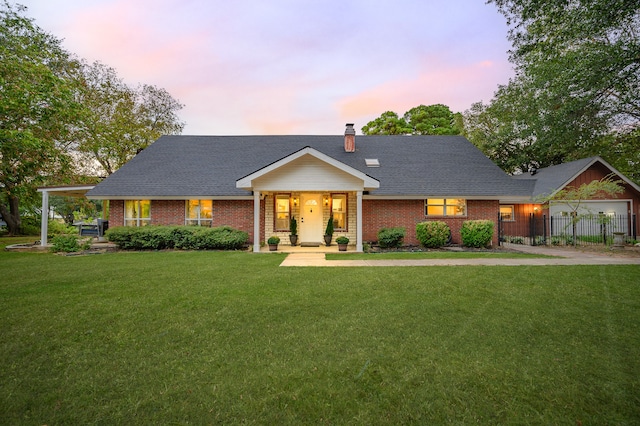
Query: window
506	213
282	212
199	213
445	207
339	209
137	212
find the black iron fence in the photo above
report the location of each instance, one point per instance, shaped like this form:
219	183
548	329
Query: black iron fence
567	230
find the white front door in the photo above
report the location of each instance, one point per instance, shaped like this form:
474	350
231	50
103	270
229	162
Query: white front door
311	218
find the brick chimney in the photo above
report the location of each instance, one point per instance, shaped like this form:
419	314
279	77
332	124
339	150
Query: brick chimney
350	138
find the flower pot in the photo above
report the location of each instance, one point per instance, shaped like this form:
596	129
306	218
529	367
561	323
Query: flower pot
342	247
327	239
273	247
293	239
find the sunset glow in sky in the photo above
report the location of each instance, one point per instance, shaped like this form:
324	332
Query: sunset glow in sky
290	66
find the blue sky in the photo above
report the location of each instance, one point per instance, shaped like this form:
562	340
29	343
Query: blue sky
290	67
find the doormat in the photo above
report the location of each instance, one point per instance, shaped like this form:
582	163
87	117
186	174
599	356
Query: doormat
309	244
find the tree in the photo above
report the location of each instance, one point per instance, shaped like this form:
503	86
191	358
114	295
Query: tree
387	124
37	110
577	84
523	127
421	120
431	120
120	121
574	198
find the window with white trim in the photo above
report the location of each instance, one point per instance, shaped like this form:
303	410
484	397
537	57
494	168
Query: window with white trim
199	212
506	213
445	207
137	212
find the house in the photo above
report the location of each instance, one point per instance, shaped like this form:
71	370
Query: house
365	183
257	183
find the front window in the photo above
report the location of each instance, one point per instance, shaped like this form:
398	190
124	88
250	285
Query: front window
446	207
199	212
137	212
506	213
282	212
339	209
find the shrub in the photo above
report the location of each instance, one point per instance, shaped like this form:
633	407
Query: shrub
177	237
273	240
477	233
56	227
513	240
391	237
432	234
30	225
342	240
68	244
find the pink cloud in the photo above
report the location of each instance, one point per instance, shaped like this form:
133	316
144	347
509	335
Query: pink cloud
436	83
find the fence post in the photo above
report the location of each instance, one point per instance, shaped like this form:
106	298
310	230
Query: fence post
532	229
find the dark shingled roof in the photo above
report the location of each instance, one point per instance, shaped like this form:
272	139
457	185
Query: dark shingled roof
550	179
201	166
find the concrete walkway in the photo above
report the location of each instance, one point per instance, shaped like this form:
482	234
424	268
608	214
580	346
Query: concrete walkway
561	257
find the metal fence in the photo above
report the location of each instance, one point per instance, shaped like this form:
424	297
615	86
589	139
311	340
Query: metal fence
567	230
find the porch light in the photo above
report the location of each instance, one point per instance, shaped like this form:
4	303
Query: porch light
326	201
295	201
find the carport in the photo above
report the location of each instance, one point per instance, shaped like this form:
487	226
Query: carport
77	191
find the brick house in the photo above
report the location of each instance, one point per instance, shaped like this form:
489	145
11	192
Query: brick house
364	183
258	183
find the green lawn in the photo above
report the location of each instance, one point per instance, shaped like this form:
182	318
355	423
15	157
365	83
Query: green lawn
433	255
207	337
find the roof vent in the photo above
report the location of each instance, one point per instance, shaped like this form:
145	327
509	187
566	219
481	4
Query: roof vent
372	162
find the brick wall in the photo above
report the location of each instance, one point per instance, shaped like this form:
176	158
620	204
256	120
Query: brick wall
116	213
237	214
168	212
379	214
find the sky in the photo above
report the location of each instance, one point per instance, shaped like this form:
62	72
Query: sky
251	67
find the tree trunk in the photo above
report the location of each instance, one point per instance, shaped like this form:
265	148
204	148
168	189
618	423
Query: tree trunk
12	215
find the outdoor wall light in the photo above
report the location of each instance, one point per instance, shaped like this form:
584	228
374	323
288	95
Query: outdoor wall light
326	201
295	201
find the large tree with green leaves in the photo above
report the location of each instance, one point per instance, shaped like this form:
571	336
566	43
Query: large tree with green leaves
421	120
119	120
37	111
577	86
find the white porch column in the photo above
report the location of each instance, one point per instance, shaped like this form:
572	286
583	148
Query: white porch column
44	222
256	221
359	221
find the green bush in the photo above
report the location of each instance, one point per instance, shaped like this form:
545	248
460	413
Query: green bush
67	244
513	240
342	240
177	237
56	227
273	240
477	233
30	225
391	237
433	234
